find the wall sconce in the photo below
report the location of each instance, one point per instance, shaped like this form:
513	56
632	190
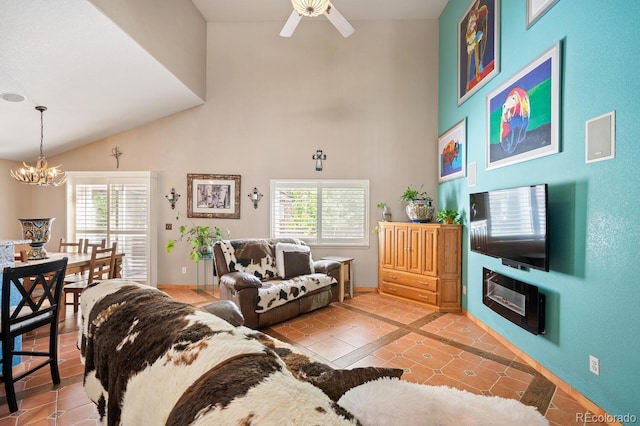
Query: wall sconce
173	199
319	156
255	197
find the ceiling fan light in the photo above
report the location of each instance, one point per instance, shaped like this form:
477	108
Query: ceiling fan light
310	8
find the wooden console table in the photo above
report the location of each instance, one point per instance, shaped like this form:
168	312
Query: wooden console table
345	277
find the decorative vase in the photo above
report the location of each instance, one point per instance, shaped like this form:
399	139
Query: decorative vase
39	232
386	214
420	211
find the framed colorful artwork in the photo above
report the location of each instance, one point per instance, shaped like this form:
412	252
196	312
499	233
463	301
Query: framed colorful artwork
478	47
213	196
452	145
537	8
523	118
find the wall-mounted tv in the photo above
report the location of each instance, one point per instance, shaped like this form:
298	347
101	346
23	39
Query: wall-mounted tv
512	225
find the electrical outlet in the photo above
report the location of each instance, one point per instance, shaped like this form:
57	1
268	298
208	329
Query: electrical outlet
184	269
168	226
464	289
594	365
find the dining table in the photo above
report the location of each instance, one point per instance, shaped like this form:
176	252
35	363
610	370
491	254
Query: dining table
78	263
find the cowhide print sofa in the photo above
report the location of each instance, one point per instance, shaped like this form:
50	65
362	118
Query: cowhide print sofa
272	280
151	360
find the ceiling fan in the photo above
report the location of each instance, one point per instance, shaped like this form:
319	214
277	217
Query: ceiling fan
313	8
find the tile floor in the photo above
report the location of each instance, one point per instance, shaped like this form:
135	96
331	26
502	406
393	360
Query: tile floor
368	330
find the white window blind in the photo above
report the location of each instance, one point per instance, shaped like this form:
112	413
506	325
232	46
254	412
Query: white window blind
115	207
321	212
517	212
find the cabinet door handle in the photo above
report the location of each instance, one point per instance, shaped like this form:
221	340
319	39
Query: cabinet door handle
423	283
392	289
393	277
423	296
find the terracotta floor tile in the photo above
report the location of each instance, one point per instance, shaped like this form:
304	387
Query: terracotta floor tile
447	350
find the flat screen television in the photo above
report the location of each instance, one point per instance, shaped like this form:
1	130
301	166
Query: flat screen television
512	225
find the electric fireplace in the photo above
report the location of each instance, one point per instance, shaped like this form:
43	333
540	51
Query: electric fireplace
517	301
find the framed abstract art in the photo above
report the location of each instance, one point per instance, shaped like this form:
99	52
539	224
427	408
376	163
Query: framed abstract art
478	47
523	119
452	146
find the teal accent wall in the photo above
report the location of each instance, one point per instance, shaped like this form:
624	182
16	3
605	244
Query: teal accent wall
593	286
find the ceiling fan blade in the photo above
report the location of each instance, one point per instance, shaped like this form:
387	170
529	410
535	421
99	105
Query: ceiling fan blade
291	24
339	21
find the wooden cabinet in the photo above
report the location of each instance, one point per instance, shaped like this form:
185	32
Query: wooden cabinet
421	262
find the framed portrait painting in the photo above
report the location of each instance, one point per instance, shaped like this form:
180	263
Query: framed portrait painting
452	145
523	118
213	196
478	47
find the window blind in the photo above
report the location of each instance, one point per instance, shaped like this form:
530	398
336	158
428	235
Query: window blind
321	212
116	208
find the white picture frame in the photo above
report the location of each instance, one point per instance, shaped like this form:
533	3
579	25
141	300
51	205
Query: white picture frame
537	8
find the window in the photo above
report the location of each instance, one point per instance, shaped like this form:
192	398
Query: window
115	206
321	212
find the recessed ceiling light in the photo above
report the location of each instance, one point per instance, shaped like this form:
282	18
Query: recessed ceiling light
12	97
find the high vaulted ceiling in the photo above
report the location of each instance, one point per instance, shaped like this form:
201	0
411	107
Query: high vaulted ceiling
96	81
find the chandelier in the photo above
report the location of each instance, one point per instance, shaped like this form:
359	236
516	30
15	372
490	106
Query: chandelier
310	7
40	174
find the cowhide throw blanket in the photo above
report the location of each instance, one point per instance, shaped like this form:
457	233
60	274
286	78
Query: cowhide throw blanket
152	360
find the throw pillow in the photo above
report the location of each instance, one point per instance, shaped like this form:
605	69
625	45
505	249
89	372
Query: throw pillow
296	263
281	248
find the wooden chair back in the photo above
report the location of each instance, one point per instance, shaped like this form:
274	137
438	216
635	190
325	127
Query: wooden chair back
90	246
21	256
30	299
64	247
102	265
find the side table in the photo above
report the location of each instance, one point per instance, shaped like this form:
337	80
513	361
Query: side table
346	277
204	262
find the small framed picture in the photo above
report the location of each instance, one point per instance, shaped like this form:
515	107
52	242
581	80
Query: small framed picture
213	196
537	8
452	145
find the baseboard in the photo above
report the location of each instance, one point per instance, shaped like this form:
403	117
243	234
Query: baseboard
561	384
365	289
177	286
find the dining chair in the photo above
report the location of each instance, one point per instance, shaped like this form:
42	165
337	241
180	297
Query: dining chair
101	266
64	247
87	245
21	256
36	291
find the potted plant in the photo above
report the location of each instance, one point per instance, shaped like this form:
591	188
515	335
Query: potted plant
202	239
386	212
448	217
419	208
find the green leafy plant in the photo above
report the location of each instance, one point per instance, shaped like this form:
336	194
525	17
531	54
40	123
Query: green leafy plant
382	205
201	238
448	216
411	194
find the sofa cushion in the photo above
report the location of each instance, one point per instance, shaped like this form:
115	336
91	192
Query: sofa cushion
276	293
293	263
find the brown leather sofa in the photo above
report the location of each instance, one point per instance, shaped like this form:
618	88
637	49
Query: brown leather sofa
272	280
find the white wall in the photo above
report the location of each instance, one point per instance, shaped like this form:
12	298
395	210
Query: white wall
369	101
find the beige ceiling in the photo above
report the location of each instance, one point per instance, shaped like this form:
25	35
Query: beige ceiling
96	80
